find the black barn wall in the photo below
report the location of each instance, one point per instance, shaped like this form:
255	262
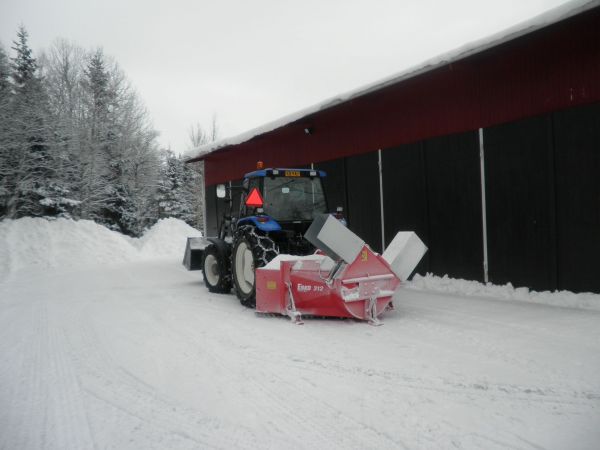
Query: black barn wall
454	203
520	200
364	209
405	195
577	150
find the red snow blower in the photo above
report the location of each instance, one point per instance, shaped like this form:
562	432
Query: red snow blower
344	278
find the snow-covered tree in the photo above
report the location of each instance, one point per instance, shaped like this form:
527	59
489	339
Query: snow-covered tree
75	139
4	129
175	194
133	155
62	68
27	164
95	188
23	63
115	158
4	72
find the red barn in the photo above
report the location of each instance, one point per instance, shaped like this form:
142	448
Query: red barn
491	154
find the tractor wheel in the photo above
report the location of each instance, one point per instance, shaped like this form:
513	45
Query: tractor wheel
251	249
215	270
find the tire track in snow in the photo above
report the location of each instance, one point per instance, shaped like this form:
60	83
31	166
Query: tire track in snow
27	408
44	405
558	393
471	341
313	419
514	395
260	400
529	327
374	438
410	425
107	382
422	429
554	394
37	395
262	397
560	396
354	433
66	394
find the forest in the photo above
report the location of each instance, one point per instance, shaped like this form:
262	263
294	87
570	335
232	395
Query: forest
76	141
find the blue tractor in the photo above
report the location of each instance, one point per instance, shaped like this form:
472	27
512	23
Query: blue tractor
276	208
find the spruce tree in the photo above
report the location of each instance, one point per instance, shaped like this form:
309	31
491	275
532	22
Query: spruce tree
97	190
4	130
24	64
4	73
63	69
28	171
176	190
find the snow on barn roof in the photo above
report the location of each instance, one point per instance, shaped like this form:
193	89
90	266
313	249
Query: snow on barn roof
543	20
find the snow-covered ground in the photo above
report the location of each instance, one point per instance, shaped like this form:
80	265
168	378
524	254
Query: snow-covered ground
107	342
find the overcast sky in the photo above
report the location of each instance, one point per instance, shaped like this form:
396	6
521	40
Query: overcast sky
251	62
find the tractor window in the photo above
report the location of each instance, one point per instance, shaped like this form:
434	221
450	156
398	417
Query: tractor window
293	198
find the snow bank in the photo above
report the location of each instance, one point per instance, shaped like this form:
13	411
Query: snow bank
167	238
37	242
30	242
468	288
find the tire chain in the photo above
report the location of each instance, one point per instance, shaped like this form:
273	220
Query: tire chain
264	242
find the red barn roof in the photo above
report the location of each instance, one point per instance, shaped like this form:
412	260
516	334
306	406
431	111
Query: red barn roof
549	63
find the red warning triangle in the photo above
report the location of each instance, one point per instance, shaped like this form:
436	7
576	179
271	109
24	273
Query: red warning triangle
254	199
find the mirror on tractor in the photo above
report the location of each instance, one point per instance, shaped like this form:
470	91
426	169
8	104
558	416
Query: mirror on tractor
221	191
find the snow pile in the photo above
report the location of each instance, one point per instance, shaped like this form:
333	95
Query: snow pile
37	242
30	242
468	288
166	239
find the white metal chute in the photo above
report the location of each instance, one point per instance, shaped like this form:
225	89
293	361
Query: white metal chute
404	253
329	235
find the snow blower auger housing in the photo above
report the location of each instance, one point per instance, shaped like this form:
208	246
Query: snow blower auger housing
277	206
344	278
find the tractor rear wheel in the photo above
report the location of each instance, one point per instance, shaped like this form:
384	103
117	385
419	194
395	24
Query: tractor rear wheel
251	249
215	270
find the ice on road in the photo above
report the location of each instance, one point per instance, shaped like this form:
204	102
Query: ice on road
139	355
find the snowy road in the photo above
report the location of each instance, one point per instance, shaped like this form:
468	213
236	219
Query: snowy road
139	355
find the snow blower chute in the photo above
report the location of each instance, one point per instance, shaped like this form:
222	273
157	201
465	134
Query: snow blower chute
344	278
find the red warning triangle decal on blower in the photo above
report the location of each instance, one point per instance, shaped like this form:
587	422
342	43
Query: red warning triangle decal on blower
254	199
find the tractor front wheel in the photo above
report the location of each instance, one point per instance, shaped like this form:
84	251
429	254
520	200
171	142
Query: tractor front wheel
215	270
251	250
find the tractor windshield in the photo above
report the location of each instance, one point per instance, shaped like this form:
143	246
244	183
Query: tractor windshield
287	198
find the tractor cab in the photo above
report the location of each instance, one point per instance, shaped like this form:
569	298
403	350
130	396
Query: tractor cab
283	202
277	206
